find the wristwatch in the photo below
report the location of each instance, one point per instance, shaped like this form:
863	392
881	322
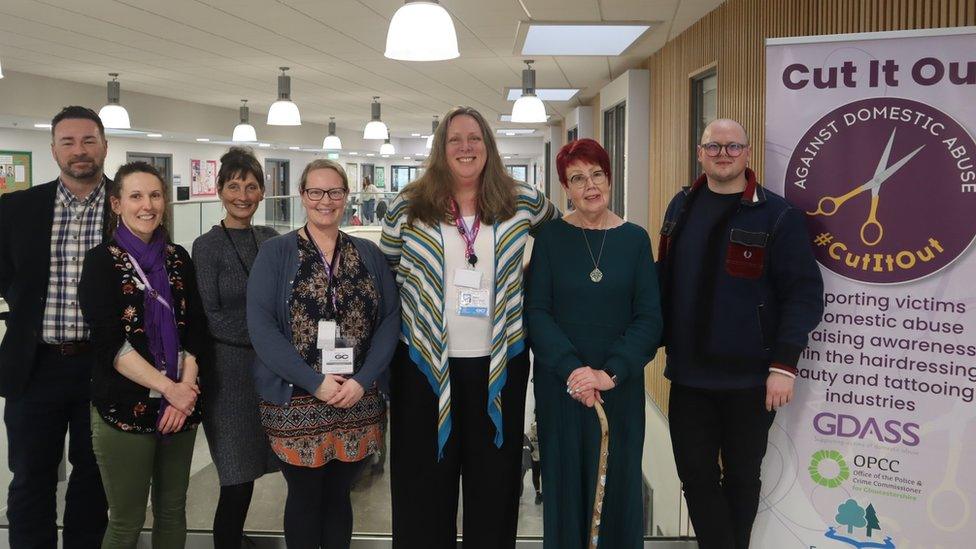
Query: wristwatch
613	376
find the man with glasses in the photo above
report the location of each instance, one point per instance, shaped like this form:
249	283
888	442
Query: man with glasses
740	293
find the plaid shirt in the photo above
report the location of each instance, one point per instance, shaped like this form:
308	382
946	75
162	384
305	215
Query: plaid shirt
76	229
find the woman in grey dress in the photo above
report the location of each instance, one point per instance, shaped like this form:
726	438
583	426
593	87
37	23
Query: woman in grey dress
231	419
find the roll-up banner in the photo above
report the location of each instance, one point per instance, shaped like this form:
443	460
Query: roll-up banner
872	136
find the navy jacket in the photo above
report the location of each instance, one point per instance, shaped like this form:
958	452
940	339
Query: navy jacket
758	301
278	366
26	218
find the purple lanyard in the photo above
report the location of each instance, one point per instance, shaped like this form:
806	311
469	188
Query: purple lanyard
329	268
468	235
148	287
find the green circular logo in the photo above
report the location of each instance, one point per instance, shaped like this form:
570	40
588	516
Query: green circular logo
828	468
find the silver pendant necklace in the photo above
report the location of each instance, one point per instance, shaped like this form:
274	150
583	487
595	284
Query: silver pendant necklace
596	275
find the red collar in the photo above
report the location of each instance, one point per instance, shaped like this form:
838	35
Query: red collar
748	195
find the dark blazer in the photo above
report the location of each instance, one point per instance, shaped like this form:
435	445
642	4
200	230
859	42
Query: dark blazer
25	266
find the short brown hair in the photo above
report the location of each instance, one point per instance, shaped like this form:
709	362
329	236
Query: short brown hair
238	162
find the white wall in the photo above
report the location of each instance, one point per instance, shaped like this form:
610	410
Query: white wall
581	118
660	472
633	86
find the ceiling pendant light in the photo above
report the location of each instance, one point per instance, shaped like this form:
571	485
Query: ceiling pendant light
332	141
433	130
113	115
421	31
376	129
244	132
284	112
528	108
387	148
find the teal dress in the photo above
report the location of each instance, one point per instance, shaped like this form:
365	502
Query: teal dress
613	324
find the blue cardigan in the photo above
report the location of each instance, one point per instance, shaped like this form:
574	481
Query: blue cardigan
278	366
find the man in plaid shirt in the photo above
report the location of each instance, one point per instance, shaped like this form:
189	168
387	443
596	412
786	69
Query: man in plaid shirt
45	356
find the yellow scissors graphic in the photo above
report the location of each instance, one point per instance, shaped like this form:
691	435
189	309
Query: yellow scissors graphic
829	205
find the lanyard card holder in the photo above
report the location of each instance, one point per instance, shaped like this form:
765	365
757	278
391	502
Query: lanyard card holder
338	353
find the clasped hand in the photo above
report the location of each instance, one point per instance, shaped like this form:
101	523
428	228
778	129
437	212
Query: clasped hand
585	384
182	398
339	392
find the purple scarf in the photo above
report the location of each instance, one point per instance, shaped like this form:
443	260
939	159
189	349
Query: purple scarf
159	320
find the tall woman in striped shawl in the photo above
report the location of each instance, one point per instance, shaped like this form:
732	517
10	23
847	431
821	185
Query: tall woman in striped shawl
455	239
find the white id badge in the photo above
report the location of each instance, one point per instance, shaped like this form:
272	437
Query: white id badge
338	361
467	278
328	331
473	302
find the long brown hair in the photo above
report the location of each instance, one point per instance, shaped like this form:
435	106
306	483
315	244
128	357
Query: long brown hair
429	197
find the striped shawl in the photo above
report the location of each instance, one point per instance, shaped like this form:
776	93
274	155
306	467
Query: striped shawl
416	254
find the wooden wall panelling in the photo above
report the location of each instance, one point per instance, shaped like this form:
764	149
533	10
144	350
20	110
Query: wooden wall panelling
733	37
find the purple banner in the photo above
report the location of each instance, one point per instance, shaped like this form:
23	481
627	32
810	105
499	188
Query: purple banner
872	136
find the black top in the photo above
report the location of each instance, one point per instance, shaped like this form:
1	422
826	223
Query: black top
113	306
356	303
26	218
694	250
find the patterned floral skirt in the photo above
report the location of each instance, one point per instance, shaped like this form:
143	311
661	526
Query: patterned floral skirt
310	433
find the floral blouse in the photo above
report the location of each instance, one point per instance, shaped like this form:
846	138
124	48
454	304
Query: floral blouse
112	305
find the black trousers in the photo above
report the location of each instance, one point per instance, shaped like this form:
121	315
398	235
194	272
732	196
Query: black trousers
425	490
56	402
318	513
733	424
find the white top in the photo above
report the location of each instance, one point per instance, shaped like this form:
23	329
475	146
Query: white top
468	336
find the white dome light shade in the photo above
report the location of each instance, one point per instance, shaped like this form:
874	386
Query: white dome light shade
387	148
529	109
113	115
332	141
244	133
375	129
284	112
421	31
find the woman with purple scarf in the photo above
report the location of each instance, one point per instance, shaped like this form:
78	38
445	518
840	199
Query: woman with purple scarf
138	293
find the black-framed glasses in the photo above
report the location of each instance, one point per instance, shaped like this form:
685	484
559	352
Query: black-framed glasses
713	149
316	194
599	178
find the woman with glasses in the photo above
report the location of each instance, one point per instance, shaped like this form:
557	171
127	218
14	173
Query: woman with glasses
223	257
323	315
456	238
595	321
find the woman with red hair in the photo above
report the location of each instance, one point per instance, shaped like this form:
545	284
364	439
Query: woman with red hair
594	322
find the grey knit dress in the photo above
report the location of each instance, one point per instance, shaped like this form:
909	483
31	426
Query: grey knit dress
231	417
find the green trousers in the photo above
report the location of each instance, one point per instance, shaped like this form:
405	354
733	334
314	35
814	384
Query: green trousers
131	464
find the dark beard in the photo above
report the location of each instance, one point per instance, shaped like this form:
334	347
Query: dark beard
83	174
